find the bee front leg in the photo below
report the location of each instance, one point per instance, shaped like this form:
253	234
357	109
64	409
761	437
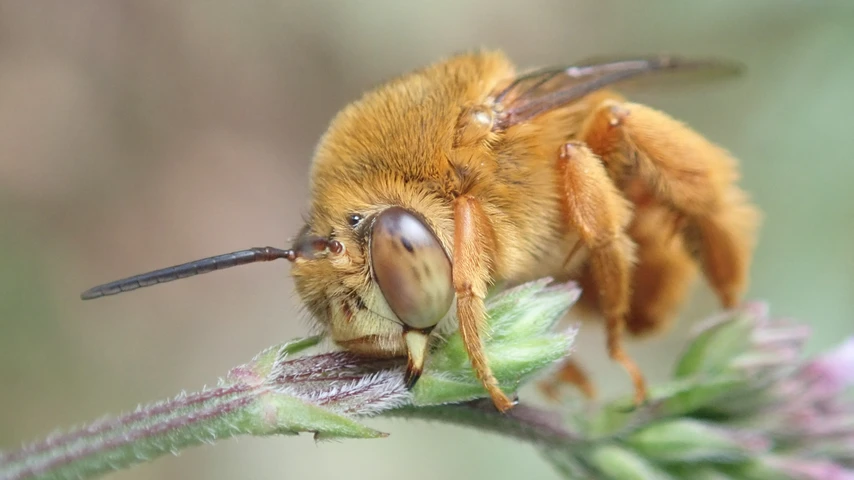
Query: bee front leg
472	241
685	171
601	215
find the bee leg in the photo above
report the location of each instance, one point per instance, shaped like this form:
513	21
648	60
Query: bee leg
472	236
661	278
663	274
569	373
685	171
601	214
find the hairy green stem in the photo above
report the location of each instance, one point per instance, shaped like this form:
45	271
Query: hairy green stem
171	426
104	427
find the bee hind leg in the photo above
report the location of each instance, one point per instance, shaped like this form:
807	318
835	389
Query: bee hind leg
569	373
664	272
684	171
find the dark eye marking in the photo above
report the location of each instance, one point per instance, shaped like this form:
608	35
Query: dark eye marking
357	301
348	312
407	245
354	219
360	304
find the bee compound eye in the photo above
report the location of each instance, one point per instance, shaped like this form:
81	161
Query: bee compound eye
411	267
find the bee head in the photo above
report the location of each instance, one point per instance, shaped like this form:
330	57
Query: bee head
380	291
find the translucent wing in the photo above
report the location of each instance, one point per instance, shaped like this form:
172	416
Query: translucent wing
542	90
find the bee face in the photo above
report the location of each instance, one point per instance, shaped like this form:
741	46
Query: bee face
382	181
382	289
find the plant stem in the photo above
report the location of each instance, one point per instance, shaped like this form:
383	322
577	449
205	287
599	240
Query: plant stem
105	426
523	422
167	427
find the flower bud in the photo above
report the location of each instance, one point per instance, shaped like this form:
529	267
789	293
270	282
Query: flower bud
701	472
686	398
530	309
520	342
712	350
688	441
616	463
831	373
802	469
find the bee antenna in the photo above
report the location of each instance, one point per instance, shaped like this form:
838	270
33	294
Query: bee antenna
197	267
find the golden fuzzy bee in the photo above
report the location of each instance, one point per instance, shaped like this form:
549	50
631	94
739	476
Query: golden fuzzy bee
465	174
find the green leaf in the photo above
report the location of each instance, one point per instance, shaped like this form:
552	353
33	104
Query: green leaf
275	413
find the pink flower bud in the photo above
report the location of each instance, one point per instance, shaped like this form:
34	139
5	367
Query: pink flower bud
831	373
800	469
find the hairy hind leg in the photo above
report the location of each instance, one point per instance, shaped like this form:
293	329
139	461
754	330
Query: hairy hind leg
682	170
569	373
663	275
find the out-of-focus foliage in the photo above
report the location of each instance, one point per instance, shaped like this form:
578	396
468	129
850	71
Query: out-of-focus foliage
141	134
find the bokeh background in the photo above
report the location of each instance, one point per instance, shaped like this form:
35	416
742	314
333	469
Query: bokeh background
136	135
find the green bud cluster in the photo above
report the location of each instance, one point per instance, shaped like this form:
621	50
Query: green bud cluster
740	405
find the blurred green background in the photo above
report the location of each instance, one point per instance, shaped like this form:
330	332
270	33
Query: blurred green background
136	135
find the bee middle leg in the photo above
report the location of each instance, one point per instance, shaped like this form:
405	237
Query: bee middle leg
601	214
662	276
659	282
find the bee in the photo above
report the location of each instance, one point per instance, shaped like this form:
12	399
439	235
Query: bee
441	184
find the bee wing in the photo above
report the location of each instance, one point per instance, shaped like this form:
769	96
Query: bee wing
542	90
